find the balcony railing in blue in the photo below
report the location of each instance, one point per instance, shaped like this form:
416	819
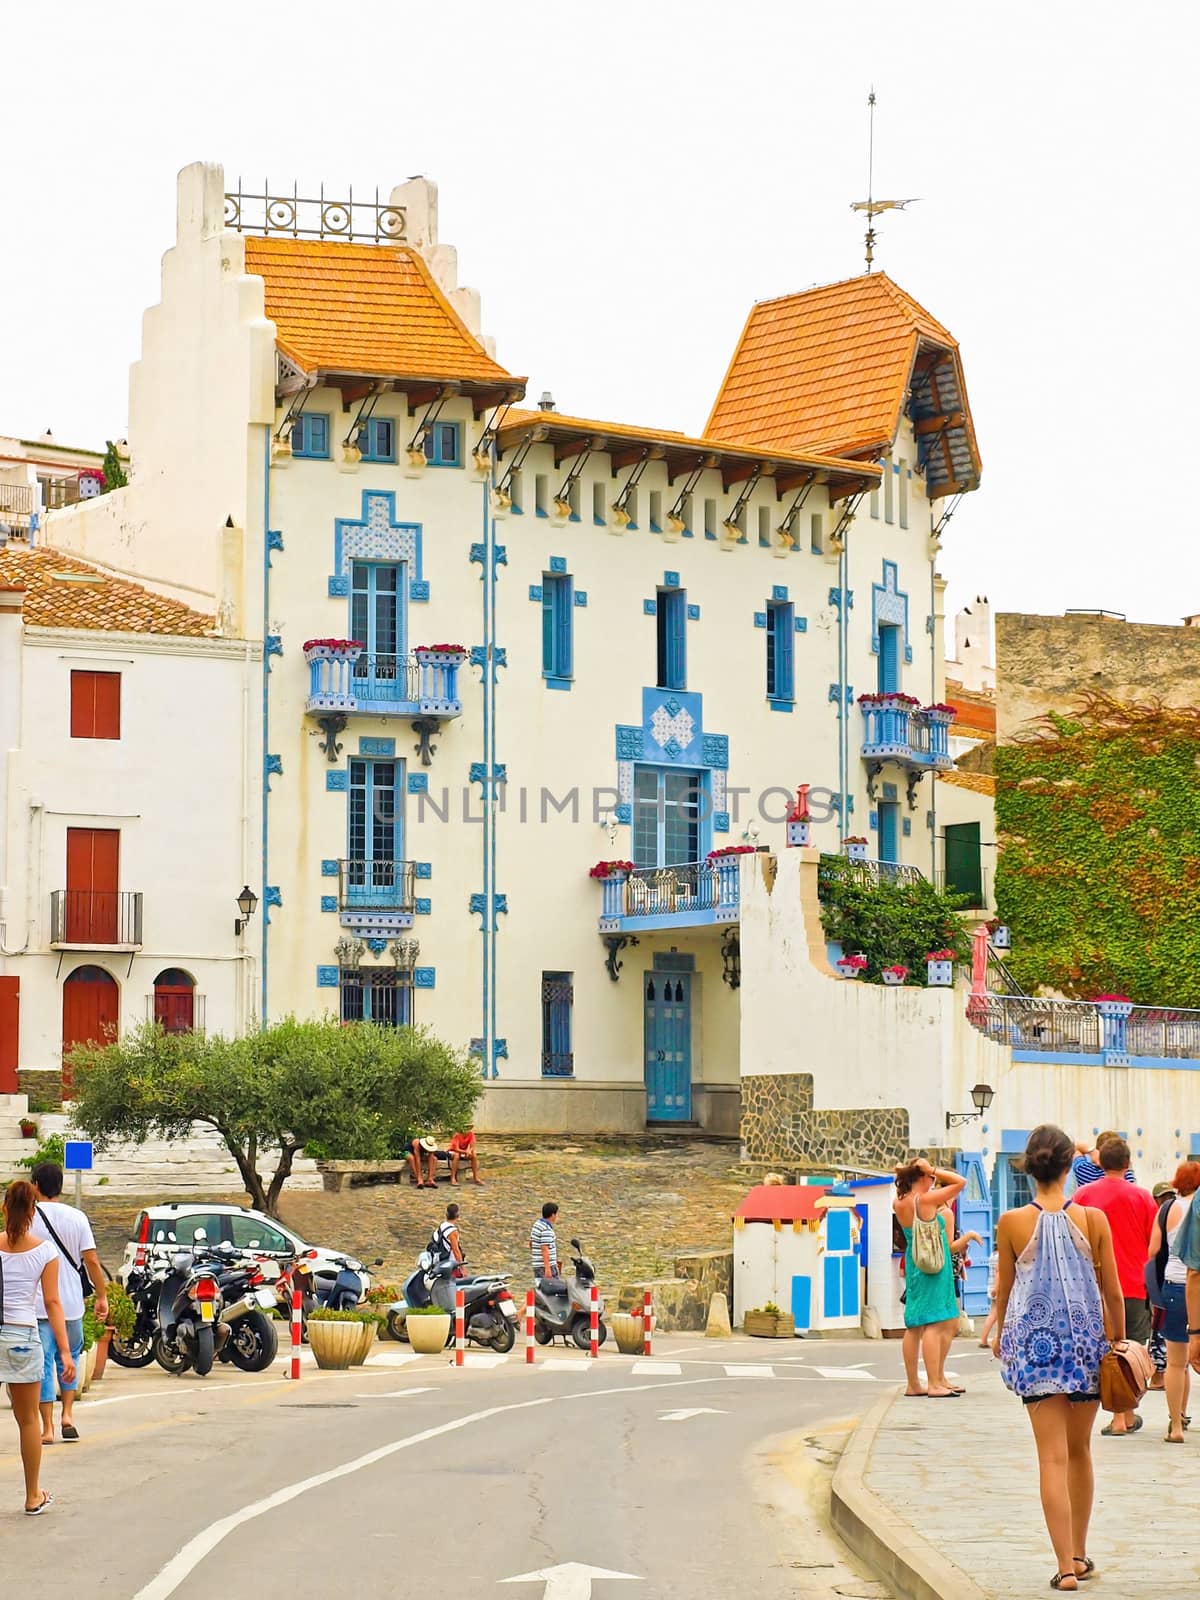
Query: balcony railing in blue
894	731
690	894
423	684
1086	1031
376	885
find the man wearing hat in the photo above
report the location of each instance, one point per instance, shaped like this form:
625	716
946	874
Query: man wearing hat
419	1150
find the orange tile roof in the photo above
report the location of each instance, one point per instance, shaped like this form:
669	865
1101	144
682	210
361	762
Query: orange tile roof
830	369
978	782
364	308
110	604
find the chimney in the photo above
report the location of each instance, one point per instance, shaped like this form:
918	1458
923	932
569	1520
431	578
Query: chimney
546	403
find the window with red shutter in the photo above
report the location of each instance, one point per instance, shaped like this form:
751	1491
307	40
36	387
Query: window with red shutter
95	705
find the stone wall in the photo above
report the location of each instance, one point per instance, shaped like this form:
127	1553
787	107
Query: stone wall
681	1302
1043	662
42	1086
780	1125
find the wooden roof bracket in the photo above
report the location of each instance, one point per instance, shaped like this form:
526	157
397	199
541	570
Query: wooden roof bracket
366	406
492	427
689	487
534	436
432	410
621	503
748	487
296	406
786	527
581	450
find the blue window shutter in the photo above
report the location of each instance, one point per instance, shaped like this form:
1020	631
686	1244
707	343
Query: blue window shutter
785	681
889	659
563	619
548	628
676	604
772	653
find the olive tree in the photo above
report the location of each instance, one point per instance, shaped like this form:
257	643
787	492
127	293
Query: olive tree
351	1091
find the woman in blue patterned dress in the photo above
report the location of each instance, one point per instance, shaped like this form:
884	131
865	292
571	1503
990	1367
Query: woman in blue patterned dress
1057	1289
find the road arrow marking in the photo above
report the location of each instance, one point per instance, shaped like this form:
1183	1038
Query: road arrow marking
696	1411
570	1581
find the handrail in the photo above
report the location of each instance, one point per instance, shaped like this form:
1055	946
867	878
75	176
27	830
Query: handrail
872	870
1079	1027
686	886
376	885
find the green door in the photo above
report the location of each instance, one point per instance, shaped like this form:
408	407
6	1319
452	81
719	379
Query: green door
964	868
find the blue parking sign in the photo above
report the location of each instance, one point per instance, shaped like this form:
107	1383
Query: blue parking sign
77	1155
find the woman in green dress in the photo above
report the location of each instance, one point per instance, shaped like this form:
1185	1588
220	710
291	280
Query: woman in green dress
930	1303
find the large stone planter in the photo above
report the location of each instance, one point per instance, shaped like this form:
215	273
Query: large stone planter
768	1325
627	1331
428	1335
102	1344
366	1344
87	1364
334	1344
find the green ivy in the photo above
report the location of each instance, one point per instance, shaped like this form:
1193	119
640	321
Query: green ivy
889	921
1098	816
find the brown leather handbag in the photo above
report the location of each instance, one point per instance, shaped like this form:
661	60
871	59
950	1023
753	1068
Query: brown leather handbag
1125	1374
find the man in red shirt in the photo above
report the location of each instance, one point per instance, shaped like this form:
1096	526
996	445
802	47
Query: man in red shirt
1131	1211
462	1148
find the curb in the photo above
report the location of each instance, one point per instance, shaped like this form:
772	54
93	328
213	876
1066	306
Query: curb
876	1533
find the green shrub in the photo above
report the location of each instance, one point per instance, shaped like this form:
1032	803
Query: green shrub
326	1314
121	1312
889	922
427	1311
51	1148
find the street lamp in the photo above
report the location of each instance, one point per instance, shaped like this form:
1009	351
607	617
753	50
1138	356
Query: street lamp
246	903
982	1096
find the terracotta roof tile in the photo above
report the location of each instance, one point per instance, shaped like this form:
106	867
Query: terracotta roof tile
978	782
53	600
364	308
830	370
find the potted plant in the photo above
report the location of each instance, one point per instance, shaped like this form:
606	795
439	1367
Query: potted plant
769	1322
894	975
122	1315
441	655
627	1331
96	1336
724	850
428	1329
28	1127
610	869
855	848
332	649
852	966
369	1321
334	1337
1000	934
939	968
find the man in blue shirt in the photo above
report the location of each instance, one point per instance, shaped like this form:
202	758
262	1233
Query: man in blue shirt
543	1251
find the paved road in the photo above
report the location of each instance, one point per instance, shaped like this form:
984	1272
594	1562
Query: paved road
407	1475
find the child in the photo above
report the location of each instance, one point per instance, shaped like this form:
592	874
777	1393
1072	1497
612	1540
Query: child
985	1338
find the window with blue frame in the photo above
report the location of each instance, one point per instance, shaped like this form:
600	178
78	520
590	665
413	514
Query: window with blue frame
374	876
558	604
781	638
377	621
377	439
671	617
889	830
380	995
443	444
889	659
667	814
558	1000
310	435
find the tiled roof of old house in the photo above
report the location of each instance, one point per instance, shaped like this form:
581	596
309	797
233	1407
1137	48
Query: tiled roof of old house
832	369
61	592
978	782
362	308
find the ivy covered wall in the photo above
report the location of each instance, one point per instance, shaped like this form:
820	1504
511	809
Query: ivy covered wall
1098	816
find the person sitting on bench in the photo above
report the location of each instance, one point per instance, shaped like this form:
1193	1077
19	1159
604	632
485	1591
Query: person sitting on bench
462	1148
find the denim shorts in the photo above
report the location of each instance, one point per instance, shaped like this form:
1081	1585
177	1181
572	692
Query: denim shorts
52	1361
1175	1321
21	1358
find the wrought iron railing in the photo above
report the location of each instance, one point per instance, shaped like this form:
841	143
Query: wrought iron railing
898	872
60	492
558	1064
17	502
319	216
101	919
382	677
910	734
665	891
376	885
1078	1027
977	899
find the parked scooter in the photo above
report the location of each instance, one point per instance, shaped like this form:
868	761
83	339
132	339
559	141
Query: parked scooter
569	1313
253	1341
490	1316
339	1291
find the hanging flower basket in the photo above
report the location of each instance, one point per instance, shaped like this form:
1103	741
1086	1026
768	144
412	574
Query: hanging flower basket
731	850
855	849
939	968
852	966
942	714
333	649
1112	1005
894	976
441	655
891	701
611	869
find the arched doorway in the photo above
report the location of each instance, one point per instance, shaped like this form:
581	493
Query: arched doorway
175	1000
90	1001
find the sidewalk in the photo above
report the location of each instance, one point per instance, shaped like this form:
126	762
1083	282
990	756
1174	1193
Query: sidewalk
943	1500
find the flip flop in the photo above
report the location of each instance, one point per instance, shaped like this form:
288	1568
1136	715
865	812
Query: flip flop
70	1433
40	1511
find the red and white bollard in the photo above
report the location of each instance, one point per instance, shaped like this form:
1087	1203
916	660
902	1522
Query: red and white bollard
594	1323
529	1340
647	1322
297	1334
460	1329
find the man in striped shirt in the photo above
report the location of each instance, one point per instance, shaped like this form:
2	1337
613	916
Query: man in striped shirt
543	1251
1086	1165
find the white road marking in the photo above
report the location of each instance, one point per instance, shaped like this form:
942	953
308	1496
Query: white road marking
695	1411
394	1394
484	1362
88	1404
846	1374
185	1561
579	1363
570	1581
391	1359
749	1372
661	1369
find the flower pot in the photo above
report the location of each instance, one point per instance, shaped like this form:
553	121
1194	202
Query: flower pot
894	980
366	1344
28	1131
627	1331
769	1325
428	1335
1002	938
848	971
102	1344
940	974
334	1344
856	852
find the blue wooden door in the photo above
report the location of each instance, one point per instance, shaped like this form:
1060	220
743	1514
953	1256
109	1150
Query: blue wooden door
668	1035
975	1216
888	681
889	830
840	1267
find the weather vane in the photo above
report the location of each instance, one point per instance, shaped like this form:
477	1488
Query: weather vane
870	206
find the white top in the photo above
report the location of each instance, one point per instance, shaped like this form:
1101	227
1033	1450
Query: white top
75	1231
22	1283
1175	1272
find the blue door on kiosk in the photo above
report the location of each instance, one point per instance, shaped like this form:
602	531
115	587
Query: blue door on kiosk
668	1046
975	1216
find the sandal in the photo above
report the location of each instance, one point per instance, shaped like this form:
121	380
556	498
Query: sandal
70	1433
38	1511
1088	1565
1059	1578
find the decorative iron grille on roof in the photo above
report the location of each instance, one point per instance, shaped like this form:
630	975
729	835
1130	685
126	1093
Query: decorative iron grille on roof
297	217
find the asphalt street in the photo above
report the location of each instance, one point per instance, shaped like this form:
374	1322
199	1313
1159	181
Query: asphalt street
698	1473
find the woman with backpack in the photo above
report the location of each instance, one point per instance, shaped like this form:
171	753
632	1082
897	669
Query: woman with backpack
930	1303
1057	1291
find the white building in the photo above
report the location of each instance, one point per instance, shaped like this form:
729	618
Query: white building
661	637
126	734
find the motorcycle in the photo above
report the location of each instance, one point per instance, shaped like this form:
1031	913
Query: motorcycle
339	1290
569	1312
253	1341
136	1349
170	1319
490	1316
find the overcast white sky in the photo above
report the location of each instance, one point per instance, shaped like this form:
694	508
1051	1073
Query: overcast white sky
622	181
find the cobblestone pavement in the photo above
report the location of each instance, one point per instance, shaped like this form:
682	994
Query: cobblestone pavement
635	1206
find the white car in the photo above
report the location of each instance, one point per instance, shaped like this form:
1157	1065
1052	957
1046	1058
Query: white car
177	1222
